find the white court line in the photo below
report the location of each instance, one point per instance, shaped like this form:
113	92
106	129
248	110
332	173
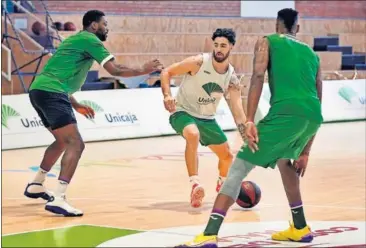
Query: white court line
261	205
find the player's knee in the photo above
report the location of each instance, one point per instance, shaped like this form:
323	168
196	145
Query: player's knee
192	136
76	143
225	154
228	156
60	145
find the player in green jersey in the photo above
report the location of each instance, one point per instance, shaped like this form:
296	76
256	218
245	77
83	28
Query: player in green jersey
285	134
51	96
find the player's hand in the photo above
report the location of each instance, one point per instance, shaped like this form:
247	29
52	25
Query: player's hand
152	66
251	134
169	103
300	164
85	110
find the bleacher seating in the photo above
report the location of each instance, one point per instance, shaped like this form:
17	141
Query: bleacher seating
135	39
349	60
92	82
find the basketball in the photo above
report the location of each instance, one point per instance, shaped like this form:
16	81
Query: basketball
250	195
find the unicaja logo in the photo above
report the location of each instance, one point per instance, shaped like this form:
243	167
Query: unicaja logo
351	96
93	105
7	112
213	90
111	118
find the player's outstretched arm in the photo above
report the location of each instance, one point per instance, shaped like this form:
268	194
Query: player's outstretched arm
260	63
189	65
95	48
236	105
124	71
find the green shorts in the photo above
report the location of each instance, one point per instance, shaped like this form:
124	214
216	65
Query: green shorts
280	137
210	131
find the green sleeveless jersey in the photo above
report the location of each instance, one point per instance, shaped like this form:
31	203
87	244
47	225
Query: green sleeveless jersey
292	70
66	70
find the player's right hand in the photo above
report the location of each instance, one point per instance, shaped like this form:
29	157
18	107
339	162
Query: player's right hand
152	66
300	164
169	103
251	134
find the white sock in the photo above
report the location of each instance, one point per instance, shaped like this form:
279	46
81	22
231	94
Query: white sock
40	176
61	188
194	180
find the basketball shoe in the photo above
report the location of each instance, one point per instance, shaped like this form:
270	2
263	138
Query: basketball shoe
59	205
202	241
197	195
37	190
293	234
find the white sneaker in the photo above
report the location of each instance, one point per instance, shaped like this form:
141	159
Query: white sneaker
58	205
197	195
37	190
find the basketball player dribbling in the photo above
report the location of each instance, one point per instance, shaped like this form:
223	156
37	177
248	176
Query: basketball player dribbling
207	78
51	96
286	133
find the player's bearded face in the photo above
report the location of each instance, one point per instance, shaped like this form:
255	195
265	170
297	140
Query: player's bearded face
102	30
219	56
221	50
102	33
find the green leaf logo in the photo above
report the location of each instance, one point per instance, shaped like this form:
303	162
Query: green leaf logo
347	93
93	105
212	87
6	113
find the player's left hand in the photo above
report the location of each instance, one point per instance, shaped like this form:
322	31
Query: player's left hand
300	164
85	110
251	134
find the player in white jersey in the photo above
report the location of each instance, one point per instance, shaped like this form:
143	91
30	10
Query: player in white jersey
207	78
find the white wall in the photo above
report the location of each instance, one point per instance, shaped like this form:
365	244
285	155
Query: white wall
267	9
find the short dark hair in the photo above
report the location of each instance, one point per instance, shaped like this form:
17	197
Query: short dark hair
228	33
288	16
92	16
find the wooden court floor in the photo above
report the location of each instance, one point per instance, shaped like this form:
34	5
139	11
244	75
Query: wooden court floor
142	184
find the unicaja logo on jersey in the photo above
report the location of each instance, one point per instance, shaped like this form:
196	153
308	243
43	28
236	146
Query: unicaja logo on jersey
213	90
6	113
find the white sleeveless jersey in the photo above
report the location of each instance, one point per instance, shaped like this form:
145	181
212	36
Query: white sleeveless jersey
199	95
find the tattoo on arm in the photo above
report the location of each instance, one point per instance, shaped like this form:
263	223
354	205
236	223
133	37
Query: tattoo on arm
260	64
234	83
199	62
260	61
241	128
